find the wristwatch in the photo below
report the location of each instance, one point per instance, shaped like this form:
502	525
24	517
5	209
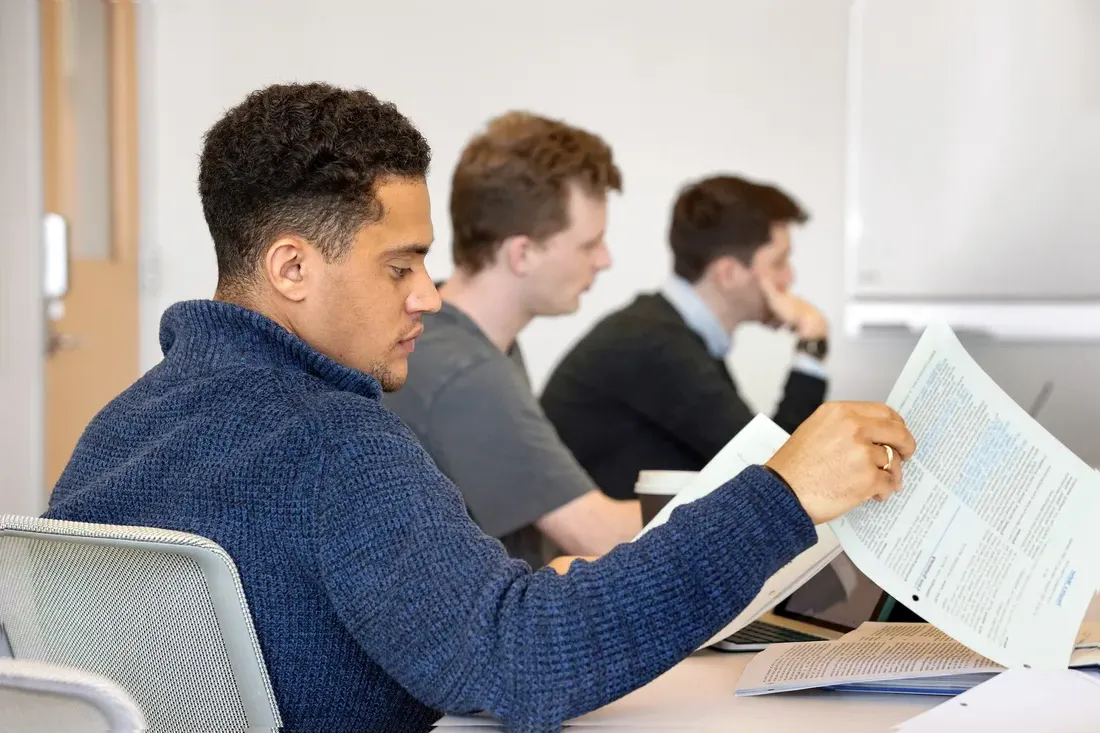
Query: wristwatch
817	348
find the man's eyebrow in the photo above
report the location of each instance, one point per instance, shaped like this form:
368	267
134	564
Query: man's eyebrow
407	249
596	239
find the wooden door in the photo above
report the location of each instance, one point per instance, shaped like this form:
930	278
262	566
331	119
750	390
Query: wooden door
90	143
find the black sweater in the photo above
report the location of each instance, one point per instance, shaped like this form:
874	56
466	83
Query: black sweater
640	392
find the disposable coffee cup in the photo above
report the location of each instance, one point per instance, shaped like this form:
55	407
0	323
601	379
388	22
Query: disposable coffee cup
655	489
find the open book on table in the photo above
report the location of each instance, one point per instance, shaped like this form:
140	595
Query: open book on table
878	657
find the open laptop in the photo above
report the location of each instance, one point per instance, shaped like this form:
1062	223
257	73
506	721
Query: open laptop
838	599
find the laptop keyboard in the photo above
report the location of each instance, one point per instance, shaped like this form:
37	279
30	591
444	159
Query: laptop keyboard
761	632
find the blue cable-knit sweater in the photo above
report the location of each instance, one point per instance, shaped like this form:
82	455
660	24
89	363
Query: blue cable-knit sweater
377	601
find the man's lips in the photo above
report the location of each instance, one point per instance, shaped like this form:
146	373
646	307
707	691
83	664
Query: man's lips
409	342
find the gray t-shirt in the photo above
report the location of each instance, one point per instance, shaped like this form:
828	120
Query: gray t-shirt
473	410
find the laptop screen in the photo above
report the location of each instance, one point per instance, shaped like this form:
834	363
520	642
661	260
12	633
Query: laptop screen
840	597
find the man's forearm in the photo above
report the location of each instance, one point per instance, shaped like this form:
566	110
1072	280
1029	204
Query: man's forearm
592	524
563	563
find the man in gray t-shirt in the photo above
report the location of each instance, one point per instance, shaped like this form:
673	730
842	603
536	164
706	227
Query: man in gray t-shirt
472	408
529	209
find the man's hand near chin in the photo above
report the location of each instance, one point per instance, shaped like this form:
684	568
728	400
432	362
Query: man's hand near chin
774	322
790	310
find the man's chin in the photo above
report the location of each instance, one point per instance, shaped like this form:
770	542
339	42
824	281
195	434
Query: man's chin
393	377
574	305
554	310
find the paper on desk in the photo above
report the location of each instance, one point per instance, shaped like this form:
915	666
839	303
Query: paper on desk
1018	700
754	444
994	534
875	652
806	665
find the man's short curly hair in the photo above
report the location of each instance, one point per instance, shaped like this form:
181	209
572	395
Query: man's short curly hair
301	159
513	180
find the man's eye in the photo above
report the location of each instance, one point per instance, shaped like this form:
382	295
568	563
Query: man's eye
400	272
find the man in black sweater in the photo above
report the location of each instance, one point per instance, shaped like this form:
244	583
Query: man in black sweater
648	387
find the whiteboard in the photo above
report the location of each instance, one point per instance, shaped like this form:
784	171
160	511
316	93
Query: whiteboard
973	167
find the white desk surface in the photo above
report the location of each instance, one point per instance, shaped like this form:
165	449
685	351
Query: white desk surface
697	695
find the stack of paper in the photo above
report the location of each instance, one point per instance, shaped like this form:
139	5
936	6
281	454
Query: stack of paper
884	657
994	535
1018	700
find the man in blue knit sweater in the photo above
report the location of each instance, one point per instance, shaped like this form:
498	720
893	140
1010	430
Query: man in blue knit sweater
377	601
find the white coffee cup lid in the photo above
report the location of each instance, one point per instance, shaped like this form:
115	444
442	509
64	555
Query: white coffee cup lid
660	482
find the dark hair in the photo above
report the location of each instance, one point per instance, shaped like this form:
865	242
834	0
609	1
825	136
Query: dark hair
300	159
513	179
725	215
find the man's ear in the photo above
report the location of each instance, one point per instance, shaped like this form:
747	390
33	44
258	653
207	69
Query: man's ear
287	266
728	273
518	252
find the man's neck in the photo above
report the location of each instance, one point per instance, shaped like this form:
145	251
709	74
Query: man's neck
727	313
492	301
256	302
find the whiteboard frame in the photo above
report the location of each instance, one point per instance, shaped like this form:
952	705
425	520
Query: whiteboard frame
1024	320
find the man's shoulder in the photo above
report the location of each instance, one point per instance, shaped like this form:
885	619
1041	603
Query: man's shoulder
468	380
449	361
225	425
444	351
647	322
336	415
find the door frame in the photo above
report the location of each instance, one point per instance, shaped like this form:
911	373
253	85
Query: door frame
96	329
22	314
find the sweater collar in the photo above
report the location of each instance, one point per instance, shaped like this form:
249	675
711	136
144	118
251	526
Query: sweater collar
216	334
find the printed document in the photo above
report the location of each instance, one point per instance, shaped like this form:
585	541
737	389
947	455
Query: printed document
1018	700
755	444
993	537
879	657
866	658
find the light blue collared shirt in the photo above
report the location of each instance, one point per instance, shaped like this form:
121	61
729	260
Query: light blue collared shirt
701	319
698	316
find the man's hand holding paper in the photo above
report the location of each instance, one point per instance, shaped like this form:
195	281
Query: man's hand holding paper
832	463
844	454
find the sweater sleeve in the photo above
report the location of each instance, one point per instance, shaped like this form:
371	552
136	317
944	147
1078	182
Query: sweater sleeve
464	628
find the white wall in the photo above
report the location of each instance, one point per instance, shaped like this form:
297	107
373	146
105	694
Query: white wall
679	90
